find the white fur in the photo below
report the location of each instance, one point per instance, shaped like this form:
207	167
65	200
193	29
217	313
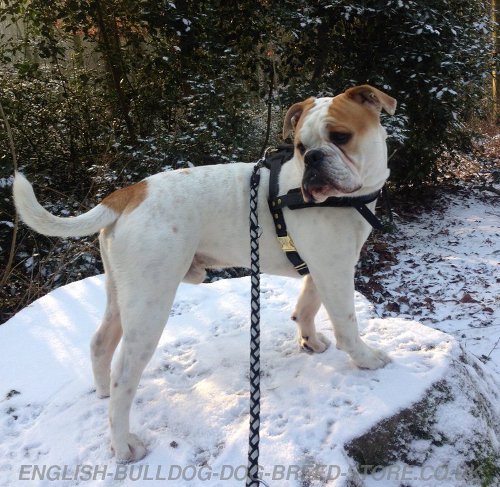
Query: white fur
198	218
38	218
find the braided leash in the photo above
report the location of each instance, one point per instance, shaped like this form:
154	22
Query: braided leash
254	437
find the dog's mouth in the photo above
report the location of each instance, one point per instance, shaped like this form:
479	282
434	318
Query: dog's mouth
319	193
314	193
318	186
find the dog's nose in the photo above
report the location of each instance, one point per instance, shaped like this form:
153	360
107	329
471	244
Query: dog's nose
313	158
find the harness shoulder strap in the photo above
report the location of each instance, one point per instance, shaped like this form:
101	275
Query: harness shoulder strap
284	239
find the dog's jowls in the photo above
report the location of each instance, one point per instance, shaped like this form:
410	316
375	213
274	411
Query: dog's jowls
173	225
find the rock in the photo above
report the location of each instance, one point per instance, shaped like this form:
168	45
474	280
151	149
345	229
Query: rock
451	434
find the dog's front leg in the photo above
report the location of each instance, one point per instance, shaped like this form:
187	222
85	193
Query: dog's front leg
336	289
307	306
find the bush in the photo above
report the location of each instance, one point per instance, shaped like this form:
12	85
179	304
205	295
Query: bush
100	94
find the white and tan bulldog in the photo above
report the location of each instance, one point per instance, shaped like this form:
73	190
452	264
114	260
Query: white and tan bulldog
171	226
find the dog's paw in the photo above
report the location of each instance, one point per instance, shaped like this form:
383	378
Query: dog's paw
317	344
132	450
370	358
102	385
102	393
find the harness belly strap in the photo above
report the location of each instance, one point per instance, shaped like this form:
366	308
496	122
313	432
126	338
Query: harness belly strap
294	201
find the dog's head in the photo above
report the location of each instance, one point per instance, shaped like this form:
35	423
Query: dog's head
340	142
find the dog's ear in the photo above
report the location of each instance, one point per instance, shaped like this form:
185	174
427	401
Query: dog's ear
372	98
293	115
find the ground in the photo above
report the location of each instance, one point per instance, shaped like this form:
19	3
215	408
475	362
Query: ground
440	267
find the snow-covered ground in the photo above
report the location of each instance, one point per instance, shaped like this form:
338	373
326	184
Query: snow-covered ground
192	404
444	270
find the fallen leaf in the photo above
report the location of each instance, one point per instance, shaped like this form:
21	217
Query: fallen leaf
467	298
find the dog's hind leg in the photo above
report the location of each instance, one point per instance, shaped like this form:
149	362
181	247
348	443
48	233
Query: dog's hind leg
106	338
307	306
143	315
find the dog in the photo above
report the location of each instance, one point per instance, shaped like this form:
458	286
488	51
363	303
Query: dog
174	225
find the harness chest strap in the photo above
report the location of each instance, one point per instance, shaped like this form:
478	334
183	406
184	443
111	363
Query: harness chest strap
294	201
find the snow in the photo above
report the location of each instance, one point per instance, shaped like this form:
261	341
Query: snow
446	274
6	182
191	407
193	395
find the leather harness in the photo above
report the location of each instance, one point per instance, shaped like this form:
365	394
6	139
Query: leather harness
293	200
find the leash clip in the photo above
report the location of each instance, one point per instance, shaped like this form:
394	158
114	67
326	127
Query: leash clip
268	151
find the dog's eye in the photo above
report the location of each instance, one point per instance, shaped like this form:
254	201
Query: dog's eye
301	147
340	138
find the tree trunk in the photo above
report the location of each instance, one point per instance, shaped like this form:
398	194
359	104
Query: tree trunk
495	18
269	113
12	252
112	56
321	51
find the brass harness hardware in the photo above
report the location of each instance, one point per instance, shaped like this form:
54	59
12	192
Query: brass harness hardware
287	244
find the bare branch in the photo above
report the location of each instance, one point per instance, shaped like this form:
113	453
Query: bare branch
10	260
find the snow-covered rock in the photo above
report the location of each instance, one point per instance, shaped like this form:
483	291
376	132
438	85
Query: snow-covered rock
448	437
321	416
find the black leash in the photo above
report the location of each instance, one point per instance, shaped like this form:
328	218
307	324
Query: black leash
254	437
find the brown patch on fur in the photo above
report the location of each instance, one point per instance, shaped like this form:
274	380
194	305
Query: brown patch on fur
372	98
184	171
126	200
175	229
346	114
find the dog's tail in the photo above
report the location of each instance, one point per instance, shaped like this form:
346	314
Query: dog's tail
38	218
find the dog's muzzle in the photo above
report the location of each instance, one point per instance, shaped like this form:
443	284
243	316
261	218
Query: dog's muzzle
328	173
